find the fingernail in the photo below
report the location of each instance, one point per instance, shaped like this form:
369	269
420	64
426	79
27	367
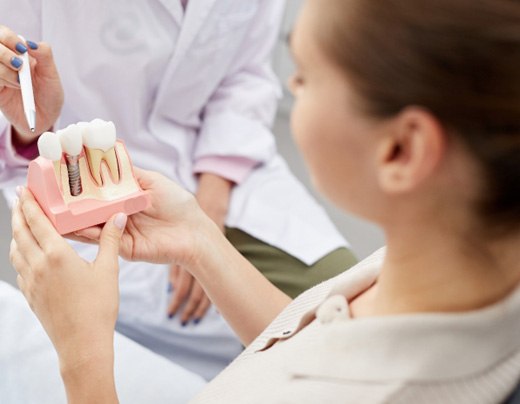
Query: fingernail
21	48
171	315
32	45
196	321
170	287
16	62
120	221
184	323
19	190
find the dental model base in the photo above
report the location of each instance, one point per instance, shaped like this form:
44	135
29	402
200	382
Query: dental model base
84	176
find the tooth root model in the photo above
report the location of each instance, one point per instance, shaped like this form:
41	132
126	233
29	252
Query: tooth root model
72	144
84	176
99	138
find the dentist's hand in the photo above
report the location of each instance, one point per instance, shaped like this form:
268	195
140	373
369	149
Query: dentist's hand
76	301
48	92
213	197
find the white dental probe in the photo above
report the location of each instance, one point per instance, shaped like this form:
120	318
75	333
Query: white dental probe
24	75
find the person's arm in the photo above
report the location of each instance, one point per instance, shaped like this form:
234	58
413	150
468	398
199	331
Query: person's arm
76	301
174	230
92	381
233	140
246	299
235	135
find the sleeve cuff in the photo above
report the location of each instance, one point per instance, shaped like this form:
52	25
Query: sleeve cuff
21	156
29	152
230	134
235	169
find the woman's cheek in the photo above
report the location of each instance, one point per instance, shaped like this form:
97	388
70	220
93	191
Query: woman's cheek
301	122
305	132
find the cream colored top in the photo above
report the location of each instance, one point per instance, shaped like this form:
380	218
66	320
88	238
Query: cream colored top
314	352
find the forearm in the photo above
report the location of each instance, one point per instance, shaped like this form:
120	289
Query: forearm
246	299
90	380
213	196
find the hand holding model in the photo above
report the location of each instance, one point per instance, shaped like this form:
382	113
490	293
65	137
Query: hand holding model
173	229
48	91
148	236
43	249
162	233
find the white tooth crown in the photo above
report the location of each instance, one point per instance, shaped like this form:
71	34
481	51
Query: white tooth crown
71	140
99	138
99	134
49	146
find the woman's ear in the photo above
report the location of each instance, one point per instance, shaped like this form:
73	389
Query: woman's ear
411	152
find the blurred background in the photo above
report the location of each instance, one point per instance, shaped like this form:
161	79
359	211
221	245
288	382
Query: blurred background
363	236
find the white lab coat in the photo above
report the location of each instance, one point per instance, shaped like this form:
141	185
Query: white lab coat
186	87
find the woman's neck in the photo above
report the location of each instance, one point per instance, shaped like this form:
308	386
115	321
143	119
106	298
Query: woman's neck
435	271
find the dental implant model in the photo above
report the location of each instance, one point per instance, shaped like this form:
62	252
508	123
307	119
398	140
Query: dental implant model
72	145
84	176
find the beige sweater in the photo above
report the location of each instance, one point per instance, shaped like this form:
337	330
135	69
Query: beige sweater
314	352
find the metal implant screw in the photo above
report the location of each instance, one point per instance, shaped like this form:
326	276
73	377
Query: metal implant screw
74	174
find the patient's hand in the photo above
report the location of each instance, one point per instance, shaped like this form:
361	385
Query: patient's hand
167	232
75	300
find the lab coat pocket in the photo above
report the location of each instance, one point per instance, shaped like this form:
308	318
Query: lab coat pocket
223	27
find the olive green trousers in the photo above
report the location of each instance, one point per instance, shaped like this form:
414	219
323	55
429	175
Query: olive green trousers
286	272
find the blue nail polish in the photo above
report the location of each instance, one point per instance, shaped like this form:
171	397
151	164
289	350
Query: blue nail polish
196	321
184	323
21	48
170	316
32	45
16	62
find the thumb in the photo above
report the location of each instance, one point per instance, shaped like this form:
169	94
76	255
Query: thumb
109	240
145	178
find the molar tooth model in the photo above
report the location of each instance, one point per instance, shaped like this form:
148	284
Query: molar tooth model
84	176
99	139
